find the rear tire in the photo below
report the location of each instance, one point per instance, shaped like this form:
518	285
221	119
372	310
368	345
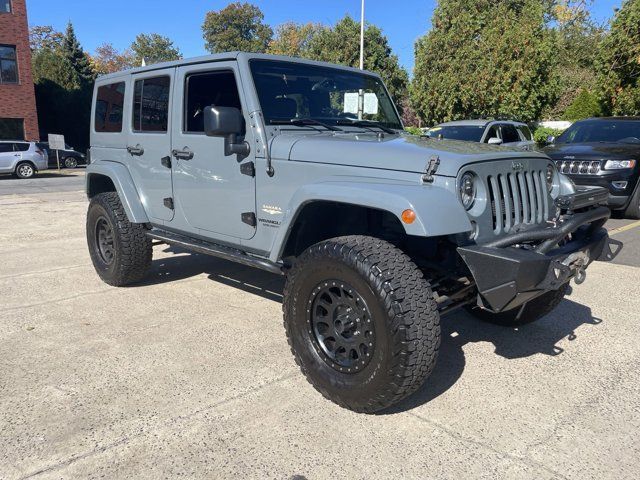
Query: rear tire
633	210
361	322
121	251
533	310
70	162
25	170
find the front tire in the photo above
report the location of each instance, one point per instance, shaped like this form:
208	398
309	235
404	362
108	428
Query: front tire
532	311
25	170
121	251
361	322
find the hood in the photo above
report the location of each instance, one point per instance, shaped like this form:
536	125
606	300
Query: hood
593	151
405	153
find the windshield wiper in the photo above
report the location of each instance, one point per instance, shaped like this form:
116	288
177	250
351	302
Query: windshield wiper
305	122
365	124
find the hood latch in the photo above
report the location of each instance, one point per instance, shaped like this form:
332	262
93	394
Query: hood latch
431	170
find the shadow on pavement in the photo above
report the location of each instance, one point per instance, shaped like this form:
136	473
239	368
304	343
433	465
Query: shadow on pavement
36	176
458	329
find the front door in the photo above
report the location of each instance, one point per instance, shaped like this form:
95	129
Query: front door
149	142
211	192
7	156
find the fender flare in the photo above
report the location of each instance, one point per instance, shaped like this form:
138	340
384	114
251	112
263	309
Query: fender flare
126	189
438	211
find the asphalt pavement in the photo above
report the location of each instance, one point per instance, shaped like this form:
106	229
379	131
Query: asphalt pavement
189	374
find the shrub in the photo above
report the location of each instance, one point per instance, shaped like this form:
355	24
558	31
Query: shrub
413	130
585	105
541	133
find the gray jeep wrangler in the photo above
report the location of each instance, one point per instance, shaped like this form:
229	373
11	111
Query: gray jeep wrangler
302	169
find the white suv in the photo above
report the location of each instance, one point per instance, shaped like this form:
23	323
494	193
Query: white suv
494	132
24	159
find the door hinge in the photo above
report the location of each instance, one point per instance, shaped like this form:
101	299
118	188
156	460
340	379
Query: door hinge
166	161
168	202
248	169
249	218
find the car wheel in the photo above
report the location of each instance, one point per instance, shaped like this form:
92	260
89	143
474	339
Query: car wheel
361	322
633	210
121	251
25	170
70	162
532	311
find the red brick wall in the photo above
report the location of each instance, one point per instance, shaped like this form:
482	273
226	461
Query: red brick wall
19	101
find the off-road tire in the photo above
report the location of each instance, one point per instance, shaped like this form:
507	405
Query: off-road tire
131	247
25	170
403	311
633	210
533	310
70	162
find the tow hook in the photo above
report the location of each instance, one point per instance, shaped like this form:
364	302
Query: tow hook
578	262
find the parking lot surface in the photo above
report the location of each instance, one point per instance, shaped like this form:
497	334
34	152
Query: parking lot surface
189	374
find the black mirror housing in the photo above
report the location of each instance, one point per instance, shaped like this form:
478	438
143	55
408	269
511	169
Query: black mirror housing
226	122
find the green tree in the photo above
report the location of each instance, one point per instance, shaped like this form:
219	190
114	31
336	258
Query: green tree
485	58
238	26
153	48
619	62
585	105
76	57
294	39
341	44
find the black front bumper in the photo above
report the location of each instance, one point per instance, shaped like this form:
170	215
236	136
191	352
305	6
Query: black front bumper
507	276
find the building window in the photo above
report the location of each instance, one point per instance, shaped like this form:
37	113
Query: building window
11	129
151	105
5	6
108	111
8	64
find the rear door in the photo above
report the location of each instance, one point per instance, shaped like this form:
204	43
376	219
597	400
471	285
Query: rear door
7	156
214	193
149	142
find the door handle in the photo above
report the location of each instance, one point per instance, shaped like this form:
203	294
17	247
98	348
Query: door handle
184	154
137	150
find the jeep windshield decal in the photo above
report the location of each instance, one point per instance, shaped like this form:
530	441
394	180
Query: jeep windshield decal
308	95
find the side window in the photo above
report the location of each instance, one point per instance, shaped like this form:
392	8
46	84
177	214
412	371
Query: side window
526	133
21	147
151	104
109	104
509	134
493	133
208	89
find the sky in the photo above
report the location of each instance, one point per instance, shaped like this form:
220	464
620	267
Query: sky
119	21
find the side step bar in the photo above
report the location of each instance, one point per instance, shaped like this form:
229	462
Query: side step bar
215	250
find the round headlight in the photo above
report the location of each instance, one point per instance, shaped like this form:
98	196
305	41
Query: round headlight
551	173
467	190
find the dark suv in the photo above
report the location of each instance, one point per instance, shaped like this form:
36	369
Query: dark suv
603	152
69	158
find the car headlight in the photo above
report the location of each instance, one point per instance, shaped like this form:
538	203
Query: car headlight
467	190
619	164
551	173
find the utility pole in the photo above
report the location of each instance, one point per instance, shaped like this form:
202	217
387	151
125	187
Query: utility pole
362	37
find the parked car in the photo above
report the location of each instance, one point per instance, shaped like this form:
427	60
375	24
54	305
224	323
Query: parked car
23	159
303	169
603	152
69	158
494	132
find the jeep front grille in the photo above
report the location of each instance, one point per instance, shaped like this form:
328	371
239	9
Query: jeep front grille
579	167
518	198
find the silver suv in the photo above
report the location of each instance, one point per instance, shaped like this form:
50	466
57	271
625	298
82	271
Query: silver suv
303	169
23	159
506	133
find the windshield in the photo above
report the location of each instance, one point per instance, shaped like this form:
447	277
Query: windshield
469	133
295	91
624	131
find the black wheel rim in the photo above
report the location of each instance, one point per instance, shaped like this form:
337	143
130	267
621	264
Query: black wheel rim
105	241
341	326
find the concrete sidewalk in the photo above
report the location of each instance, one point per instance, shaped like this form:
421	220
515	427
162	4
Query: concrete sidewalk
190	375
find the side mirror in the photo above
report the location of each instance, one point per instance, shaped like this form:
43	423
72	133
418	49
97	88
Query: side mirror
495	141
551	139
226	122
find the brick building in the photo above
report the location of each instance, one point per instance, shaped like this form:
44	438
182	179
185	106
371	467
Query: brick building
18	116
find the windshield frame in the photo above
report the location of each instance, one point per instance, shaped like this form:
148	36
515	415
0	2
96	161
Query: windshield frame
394	123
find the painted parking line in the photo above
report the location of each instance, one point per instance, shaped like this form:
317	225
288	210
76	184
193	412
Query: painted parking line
626	228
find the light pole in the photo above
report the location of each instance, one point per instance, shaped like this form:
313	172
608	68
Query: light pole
362	37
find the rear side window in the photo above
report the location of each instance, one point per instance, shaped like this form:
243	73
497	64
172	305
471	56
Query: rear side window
509	134
217	89
151	104
21	147
109	105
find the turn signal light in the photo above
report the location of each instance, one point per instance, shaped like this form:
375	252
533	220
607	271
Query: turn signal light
408	216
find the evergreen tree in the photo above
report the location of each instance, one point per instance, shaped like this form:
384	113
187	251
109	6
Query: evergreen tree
75	56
